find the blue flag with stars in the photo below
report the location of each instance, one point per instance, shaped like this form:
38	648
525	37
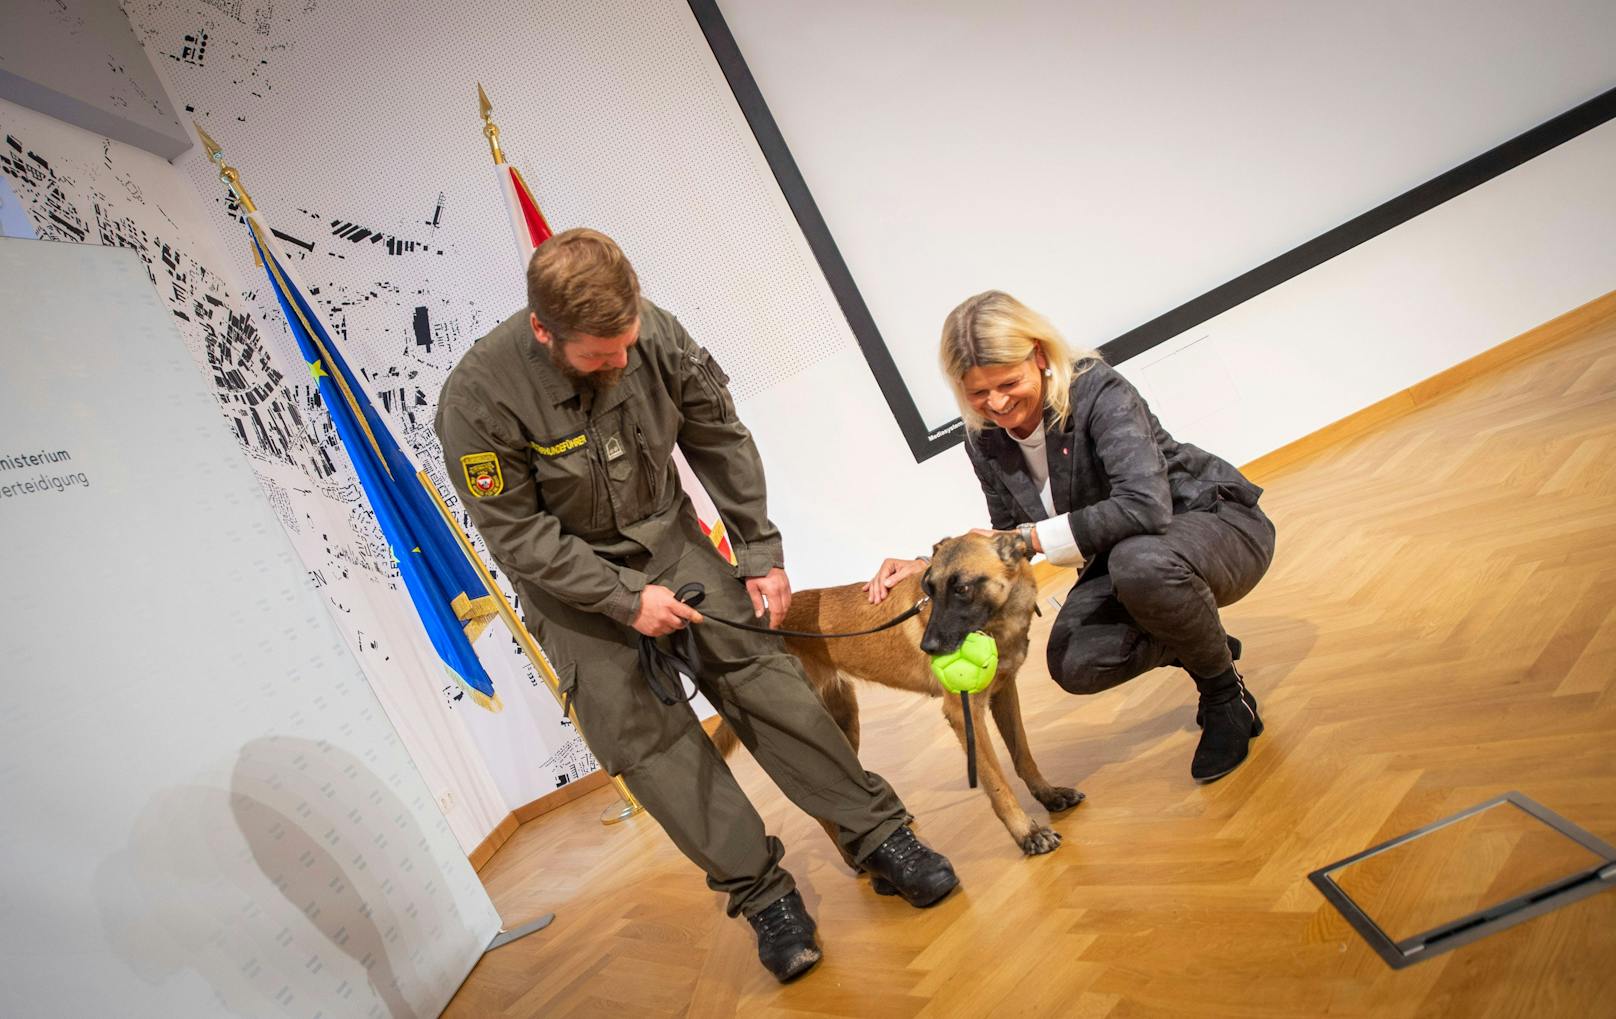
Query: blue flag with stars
448	592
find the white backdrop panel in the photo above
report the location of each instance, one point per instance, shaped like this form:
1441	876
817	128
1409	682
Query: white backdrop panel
77	187
206	810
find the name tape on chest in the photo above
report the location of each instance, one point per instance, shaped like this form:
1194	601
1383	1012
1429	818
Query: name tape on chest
560	446
483	476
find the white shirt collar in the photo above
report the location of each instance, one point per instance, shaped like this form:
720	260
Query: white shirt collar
1033	441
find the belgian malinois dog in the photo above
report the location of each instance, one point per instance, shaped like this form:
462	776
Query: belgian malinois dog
975	583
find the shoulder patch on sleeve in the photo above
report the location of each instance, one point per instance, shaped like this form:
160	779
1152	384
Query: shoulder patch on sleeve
483	476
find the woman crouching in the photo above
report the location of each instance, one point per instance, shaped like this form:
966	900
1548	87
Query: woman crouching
1162	532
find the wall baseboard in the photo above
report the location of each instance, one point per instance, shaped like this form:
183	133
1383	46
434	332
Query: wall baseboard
486	849
561	797
1549	334
521	815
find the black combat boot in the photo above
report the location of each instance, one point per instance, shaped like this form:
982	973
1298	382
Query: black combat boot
903	866
785	934
1229	721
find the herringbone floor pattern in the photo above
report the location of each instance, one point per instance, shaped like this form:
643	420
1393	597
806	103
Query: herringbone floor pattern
1438	627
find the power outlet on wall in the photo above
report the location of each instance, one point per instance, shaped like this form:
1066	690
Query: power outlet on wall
446	802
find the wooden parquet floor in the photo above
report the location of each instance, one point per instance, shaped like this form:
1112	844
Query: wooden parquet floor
1439	627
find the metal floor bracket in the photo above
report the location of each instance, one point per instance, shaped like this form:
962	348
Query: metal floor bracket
1452	934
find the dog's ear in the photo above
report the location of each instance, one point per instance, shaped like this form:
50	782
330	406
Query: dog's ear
1013	548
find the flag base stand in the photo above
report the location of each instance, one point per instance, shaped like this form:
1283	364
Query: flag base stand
622	810
507	935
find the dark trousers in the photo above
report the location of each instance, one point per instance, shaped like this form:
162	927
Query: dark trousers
1157	599
672	767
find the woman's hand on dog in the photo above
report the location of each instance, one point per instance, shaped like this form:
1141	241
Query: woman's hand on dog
891	573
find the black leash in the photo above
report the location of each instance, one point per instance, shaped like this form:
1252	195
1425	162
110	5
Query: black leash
970	741
693	593
663	669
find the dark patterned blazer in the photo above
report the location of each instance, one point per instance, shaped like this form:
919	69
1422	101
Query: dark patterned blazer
1113	469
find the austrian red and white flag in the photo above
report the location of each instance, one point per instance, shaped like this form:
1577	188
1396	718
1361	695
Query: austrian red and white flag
528	225
531	229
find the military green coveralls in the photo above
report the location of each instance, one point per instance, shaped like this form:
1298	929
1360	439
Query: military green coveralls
579	501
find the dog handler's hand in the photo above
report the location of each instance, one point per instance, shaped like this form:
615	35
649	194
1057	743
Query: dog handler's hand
661	613
776	589
891	573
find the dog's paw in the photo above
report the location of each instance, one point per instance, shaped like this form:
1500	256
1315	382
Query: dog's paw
1040	840
1058	798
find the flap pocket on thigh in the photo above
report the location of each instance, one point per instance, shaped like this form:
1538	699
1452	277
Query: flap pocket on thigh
566	683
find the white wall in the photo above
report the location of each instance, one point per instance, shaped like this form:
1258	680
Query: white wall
1466	276
1107	162
1479	270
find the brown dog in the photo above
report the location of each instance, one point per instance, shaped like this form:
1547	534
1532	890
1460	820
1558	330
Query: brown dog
975	583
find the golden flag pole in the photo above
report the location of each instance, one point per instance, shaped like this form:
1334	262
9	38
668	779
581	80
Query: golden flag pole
628	805
485	109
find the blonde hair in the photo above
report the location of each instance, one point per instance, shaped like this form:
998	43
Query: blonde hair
993	329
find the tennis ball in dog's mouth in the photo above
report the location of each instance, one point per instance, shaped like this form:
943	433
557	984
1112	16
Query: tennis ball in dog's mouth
970	667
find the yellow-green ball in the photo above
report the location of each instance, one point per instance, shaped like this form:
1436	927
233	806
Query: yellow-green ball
969	668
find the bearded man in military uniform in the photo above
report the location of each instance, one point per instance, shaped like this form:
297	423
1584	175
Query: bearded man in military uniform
558	428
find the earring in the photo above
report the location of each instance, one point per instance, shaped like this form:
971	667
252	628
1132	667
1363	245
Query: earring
1048	374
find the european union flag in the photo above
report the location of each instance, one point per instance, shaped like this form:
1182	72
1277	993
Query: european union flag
448	593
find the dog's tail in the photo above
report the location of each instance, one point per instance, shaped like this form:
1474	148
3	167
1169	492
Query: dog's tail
725	739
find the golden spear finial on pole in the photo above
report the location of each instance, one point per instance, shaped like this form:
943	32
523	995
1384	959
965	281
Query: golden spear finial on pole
227	174
486	109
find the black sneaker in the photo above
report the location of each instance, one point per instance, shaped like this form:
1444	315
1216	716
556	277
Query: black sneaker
903	866
785	934
1228	727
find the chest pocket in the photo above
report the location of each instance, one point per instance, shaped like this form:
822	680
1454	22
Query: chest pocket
572	483
636	469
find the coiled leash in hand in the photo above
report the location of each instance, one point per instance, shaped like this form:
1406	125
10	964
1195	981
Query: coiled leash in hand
966	670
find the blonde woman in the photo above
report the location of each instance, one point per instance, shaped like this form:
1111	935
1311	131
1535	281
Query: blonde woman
1163	533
